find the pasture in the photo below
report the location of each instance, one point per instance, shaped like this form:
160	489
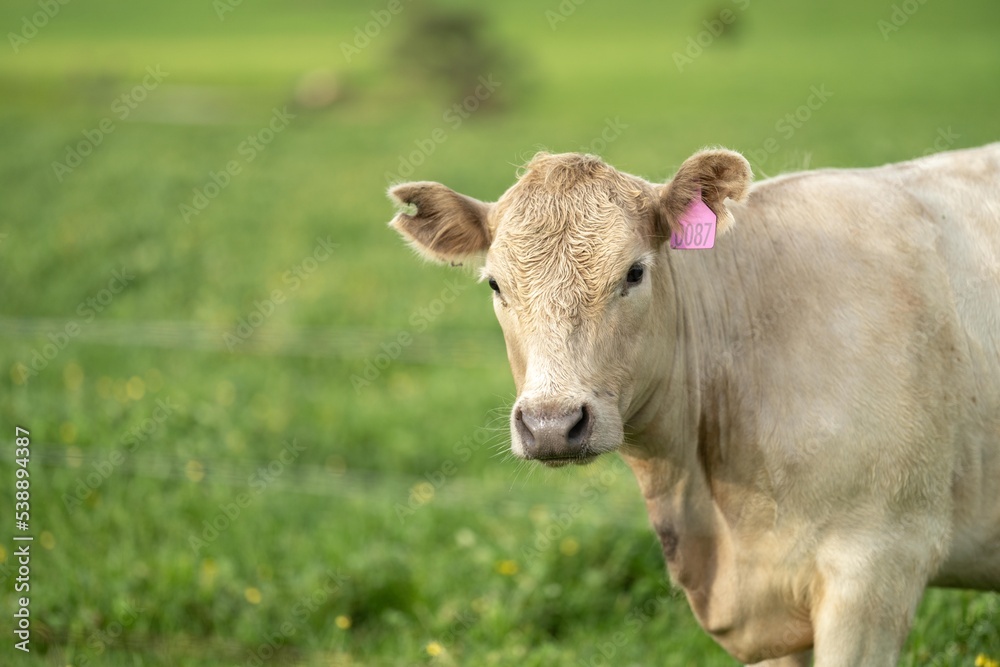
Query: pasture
261	433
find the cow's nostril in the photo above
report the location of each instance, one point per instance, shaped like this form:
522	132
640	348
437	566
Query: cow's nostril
580	431
527	437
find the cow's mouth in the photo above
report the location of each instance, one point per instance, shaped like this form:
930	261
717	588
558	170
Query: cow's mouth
581	459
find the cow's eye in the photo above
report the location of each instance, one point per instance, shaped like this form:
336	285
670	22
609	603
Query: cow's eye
634	275
494	286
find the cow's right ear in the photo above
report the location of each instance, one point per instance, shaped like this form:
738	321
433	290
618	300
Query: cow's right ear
715	175
441	224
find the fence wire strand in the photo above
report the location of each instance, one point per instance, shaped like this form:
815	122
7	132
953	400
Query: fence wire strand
466	348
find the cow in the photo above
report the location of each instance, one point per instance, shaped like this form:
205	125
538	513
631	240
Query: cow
810	406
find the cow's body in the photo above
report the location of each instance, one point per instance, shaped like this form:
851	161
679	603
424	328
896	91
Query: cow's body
814	407
836	394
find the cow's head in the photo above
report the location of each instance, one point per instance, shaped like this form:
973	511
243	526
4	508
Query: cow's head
574	256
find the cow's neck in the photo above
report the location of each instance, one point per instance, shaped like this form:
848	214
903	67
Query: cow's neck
664	458
684	443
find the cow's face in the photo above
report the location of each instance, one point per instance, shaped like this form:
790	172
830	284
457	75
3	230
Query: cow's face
580	285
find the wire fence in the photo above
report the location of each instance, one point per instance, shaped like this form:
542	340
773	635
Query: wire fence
512	486
465	348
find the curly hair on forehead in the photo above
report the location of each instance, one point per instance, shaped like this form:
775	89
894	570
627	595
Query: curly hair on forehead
569	174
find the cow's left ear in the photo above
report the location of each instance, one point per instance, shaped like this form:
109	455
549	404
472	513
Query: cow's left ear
717	174
445	226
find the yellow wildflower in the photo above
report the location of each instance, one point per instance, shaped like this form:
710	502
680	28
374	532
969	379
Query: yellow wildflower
507	568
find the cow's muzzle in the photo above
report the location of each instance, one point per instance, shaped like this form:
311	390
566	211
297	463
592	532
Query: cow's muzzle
555	436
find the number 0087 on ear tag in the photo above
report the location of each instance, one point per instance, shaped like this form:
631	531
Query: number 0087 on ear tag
697	228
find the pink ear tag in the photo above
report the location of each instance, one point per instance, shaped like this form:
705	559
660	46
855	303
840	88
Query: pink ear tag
697	228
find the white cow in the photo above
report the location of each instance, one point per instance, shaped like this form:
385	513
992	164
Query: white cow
811	407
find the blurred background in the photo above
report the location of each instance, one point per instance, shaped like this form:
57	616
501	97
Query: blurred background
261	431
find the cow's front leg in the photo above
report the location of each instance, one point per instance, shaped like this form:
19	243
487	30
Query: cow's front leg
869	595
803	659
870	637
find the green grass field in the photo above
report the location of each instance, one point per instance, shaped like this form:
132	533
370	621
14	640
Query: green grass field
261	432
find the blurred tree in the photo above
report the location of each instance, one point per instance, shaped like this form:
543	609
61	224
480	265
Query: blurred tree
455	50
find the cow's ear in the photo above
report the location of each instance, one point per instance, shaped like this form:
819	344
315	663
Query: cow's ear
439	223
717	174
